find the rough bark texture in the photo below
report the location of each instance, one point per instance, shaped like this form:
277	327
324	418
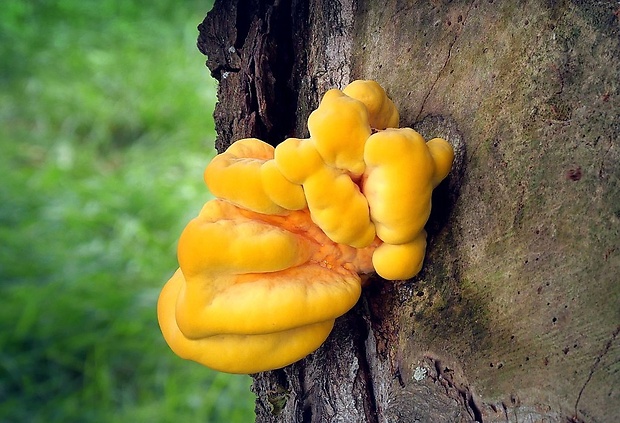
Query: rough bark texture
516	314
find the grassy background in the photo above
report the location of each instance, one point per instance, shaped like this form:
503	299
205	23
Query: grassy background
105	129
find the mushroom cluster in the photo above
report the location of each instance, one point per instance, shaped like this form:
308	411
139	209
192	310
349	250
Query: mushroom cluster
270	263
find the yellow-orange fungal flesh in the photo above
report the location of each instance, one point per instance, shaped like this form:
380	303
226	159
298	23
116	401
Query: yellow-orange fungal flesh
267	283
268	265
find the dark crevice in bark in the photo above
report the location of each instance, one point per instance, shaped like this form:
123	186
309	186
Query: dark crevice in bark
378	312
474	408
250	51
283	97
306	416
505	409
462	391
244	20
595	365
446	61
446	194
364	376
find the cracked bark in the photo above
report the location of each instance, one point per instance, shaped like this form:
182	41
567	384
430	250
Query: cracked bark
594	368
460	20
515	315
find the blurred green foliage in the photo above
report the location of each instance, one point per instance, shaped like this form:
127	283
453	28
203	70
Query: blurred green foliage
105	129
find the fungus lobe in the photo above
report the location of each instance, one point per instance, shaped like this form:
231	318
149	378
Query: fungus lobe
270	263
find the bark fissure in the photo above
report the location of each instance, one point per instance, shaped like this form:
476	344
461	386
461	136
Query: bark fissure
446	61
594	367
366	379
505	409
445	376
243	21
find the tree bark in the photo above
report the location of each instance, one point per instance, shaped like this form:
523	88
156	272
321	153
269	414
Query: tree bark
516	313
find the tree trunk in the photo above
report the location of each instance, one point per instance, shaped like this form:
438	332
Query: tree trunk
516	313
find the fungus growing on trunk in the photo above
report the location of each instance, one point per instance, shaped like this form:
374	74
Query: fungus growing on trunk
267	266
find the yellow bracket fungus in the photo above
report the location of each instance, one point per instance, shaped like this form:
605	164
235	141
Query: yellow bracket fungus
269	264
